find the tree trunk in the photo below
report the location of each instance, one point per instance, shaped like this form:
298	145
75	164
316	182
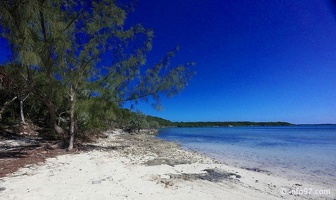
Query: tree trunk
48	102
21	110
53	123
21	113
72	119
7	103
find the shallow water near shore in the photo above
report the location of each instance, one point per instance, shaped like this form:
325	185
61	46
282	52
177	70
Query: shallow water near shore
300	152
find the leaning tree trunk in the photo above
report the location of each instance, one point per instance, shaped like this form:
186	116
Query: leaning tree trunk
72	118
7	103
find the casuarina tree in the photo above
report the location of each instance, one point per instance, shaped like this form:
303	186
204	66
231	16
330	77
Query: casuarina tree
82	52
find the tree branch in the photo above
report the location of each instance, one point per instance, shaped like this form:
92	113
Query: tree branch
78	15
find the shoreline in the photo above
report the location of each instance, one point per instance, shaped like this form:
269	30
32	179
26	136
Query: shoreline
124	166
292	160
288	173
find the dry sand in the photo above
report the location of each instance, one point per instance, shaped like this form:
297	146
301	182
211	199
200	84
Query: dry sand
124	166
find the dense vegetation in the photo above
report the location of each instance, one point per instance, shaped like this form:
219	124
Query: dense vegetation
73	63
229	124
167	123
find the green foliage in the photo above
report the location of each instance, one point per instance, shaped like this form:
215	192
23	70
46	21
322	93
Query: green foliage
153	125
134	121
95	113
138	121
81	63
167	123
161	122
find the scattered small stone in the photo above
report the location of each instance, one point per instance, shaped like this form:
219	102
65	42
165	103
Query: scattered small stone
2	189
169	184
256	181
96	182
164	161
164	176
212	175
256	170
101	180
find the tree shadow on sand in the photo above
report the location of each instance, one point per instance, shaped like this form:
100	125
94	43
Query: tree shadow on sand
17	151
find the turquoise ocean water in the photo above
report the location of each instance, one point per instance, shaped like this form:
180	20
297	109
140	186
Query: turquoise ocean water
300	152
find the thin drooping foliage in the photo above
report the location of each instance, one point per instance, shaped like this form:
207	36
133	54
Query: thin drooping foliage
78	59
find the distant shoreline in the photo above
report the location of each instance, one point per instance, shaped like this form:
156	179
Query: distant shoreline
230	124
167	123
164	123
252	125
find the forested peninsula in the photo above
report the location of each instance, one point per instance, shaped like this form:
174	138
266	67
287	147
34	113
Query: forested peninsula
167	123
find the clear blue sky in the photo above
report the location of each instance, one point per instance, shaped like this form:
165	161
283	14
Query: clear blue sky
265	60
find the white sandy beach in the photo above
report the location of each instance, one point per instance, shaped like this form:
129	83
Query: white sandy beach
141	167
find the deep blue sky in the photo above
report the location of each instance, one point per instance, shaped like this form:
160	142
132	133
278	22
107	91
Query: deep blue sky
265	60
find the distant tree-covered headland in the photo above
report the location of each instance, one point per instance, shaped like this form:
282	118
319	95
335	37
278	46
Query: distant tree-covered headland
73	63
167	123
230	124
